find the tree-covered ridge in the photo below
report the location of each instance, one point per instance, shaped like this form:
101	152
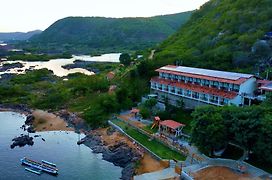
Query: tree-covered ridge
99	32
18	36
220	35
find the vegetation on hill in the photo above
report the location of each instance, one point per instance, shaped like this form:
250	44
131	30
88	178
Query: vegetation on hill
18	36
221	35
82	34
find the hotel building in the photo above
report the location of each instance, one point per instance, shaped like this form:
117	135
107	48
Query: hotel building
196	86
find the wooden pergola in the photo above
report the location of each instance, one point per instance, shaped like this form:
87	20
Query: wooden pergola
171	127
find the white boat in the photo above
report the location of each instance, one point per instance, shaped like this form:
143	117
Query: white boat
49	163
38	172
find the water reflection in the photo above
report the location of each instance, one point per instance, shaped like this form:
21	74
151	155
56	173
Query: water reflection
55	65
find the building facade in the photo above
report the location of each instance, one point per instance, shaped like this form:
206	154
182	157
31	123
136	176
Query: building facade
196	86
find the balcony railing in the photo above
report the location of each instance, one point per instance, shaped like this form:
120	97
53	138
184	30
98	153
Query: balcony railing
188	95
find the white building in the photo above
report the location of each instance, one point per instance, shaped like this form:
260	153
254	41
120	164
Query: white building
196	86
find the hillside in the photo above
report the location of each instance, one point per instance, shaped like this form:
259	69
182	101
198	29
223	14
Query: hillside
223	34
80	34
18	36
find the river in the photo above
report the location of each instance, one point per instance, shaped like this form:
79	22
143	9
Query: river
73	161
55	65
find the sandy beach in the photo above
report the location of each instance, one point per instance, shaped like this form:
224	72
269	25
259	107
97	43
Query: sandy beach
45	121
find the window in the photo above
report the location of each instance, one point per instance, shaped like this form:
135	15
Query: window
188	93
236	88
195	95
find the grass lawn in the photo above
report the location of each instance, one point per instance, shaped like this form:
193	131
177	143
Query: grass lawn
156	147
149	130
232	152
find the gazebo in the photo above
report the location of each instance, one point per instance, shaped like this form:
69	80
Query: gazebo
171	127
135	111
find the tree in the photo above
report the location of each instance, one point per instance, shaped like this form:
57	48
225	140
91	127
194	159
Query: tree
268	101
263	147
125	59
245	126
208	130
150	103
145	113
94	116
122	97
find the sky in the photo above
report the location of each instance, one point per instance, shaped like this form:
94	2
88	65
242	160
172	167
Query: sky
27	15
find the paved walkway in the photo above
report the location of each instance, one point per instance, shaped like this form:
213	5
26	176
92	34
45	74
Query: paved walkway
162	174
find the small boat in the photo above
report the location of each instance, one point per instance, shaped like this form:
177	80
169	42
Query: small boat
40	166
49	163
38	172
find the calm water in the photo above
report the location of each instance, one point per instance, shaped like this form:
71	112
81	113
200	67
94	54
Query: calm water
74	162
55	64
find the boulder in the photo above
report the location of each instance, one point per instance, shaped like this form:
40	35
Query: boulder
29	119
22	141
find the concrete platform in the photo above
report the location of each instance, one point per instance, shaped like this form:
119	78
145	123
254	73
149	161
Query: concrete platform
157	175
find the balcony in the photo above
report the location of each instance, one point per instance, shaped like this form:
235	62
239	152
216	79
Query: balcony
222	103
193	87
195	96
204	98
214	101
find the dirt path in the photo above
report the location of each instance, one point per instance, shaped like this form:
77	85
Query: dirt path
149	164
135	123
151	54
45	121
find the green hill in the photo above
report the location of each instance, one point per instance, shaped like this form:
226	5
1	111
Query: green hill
221	35
80	34
18	36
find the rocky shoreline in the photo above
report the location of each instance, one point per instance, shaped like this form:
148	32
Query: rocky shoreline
83	65
120	154
9	66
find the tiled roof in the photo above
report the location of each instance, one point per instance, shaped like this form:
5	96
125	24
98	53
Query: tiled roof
196	88
171	124
212	75
135	110
267	87
157	118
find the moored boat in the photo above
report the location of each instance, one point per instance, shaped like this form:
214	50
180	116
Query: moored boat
49	163
38	172
40	166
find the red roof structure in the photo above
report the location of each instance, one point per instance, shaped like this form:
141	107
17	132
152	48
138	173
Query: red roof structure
110	75
171	124
196	88
157	118
135	110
